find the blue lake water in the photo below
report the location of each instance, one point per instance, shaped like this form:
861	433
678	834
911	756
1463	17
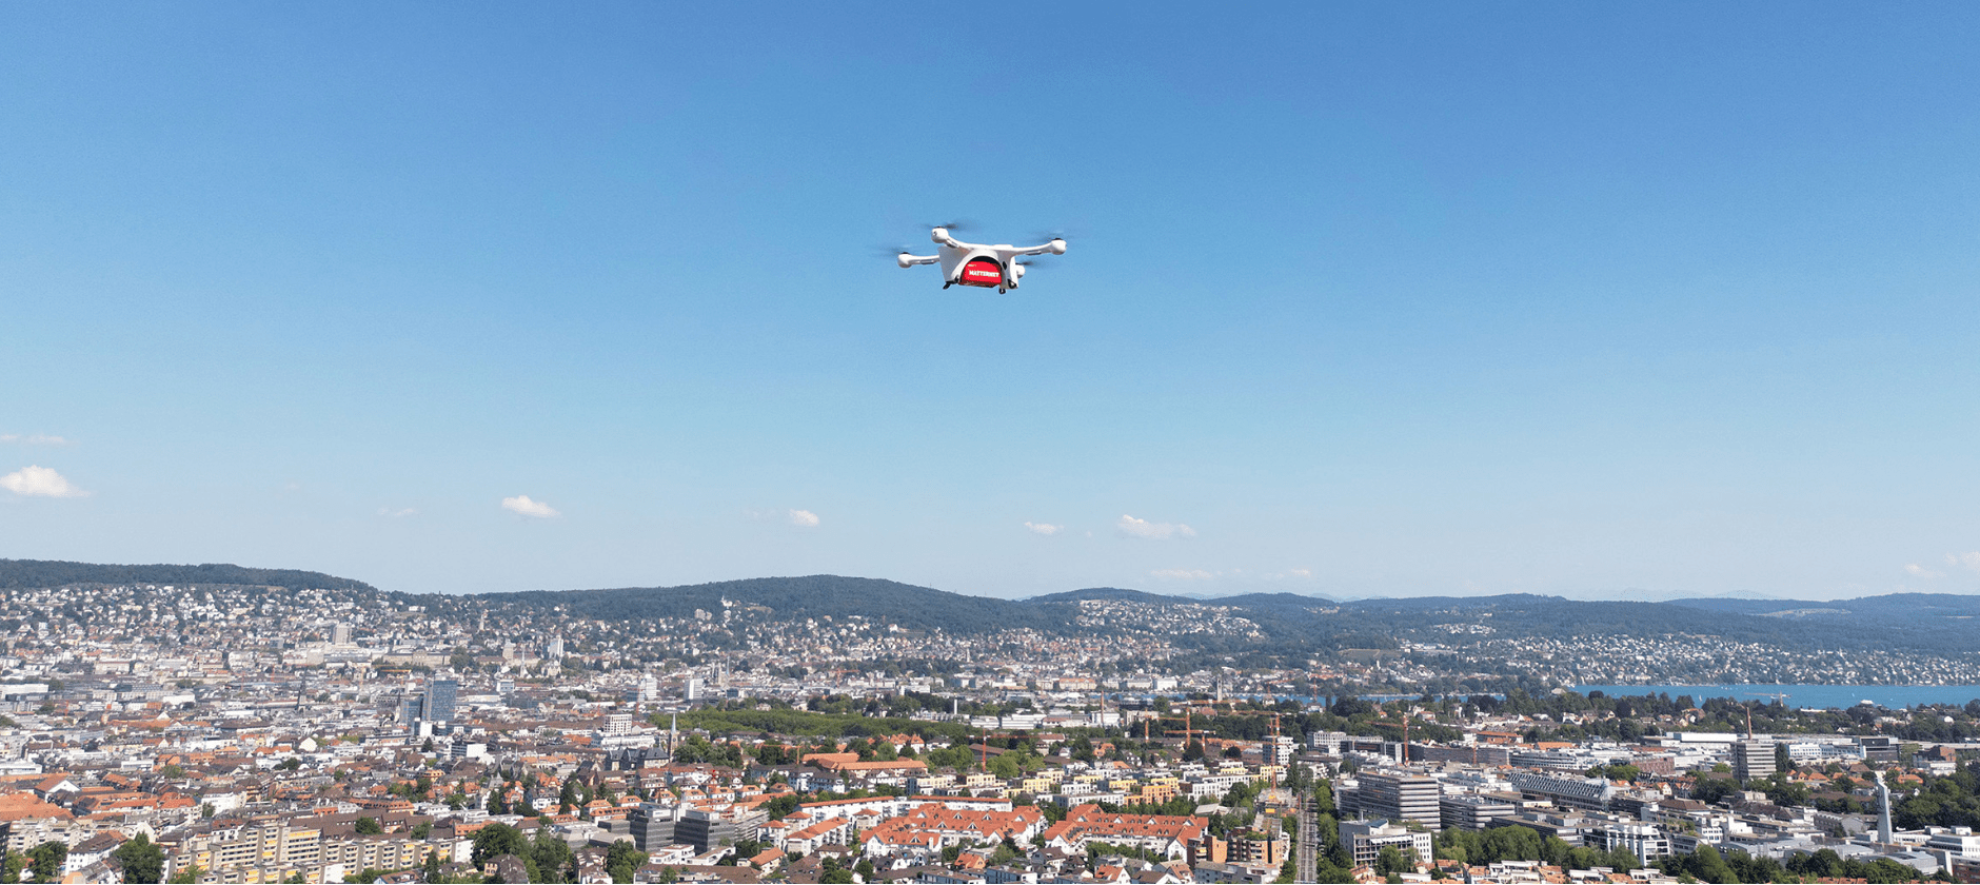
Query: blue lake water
1816	696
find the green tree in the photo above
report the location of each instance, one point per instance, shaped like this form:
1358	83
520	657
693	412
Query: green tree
11	867
422	830
142	861
369	826
1390	861
1006	766
622	860
552	857
831	872
47	859
187	876
495	840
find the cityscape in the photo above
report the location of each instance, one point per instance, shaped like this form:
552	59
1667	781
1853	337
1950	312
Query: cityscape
244	734
506	442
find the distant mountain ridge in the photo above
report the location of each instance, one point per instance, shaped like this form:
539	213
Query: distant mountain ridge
1268	623
32	573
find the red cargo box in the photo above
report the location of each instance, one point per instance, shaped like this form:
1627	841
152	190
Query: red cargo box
982	272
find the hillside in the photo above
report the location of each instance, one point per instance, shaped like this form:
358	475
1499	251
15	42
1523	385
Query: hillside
798	598
25	573
1252	624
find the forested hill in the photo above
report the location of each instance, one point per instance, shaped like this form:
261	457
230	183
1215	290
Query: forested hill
31	573
811	596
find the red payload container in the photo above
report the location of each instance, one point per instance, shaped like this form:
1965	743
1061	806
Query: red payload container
982	272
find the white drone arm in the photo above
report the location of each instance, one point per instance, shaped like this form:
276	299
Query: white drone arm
1056	247
941	235
906	260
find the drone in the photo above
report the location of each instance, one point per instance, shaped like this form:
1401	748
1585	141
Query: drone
974	264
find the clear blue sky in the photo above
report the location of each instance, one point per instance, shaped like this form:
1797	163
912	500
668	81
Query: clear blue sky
1588	299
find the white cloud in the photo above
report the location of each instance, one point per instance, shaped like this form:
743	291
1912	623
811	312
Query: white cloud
41	482
1043	528
402	512
1160	531
1918	571
523	505
1182	574
1970	560
33	439
1291	573
804	519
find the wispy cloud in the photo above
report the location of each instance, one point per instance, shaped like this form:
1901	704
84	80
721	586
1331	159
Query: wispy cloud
1918	571
40	482
403	512
1182	574
1970	560
804	519
523	505
1043	528
1159	531
1290	574
33	439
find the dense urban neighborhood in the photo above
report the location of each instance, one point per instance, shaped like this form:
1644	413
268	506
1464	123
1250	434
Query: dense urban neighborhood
325	732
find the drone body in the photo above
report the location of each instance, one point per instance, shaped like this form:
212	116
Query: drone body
974	264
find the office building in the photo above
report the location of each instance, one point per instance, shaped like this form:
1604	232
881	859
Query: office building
707	829
1332	743
1647	841
1471	812
1753	760
1399	797
440	695
1365	840
652	826
1590	794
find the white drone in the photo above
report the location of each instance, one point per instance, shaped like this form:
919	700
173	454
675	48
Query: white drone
974	264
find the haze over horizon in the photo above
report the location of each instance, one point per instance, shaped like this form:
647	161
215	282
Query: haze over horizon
1596	302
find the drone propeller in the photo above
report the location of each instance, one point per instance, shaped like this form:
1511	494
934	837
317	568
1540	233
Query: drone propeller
959	224
891	251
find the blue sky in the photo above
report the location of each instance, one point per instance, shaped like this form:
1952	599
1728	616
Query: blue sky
1601	300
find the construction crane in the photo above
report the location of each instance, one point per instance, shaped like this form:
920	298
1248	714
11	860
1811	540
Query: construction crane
1189	734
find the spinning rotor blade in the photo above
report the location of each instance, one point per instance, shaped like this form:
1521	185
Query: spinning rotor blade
959	224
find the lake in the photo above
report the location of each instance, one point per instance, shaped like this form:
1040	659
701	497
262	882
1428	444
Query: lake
1816	696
